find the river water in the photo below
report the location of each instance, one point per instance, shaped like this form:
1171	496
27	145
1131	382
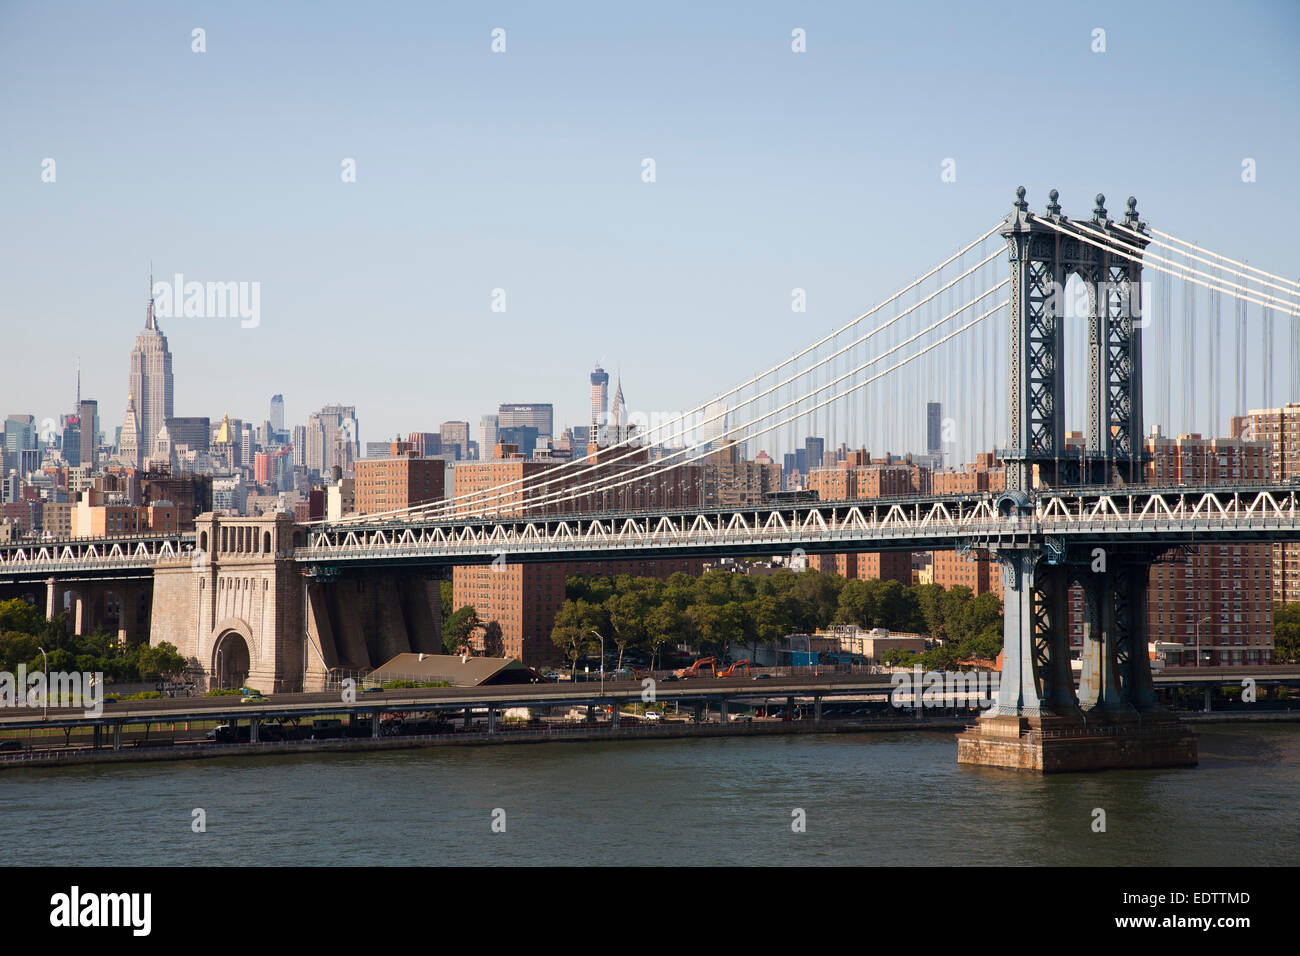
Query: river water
873	799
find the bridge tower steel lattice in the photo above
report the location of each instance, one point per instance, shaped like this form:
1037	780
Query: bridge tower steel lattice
1039	572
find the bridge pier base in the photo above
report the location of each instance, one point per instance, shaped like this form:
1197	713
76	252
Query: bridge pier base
1048	744
1037	723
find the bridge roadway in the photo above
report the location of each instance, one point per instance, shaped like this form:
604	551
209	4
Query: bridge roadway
1136	514
1144	514
500	697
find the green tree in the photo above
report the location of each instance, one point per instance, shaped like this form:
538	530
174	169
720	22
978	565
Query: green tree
1286	633
627	612
663	626
929	599
494	642
160	662
571	631
456	630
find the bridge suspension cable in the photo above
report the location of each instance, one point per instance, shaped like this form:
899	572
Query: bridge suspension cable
569	494
639	473
1133	253
1148	257
569	490
1235	262
634	444
485	495
1288	290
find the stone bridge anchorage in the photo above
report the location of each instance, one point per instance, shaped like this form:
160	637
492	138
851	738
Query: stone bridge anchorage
247	613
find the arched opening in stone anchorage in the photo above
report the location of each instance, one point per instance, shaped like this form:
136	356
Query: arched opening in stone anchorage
266	542
203	541
230	661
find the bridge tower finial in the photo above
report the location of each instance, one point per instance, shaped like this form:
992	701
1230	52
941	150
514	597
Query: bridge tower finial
1099	211
1020	203
1053	207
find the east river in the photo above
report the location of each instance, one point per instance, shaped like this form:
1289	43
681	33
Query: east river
872	799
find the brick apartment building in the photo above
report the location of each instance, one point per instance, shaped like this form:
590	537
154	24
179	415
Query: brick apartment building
524	598
1280	427
858	477
731	481
99	515
1218	595
977	570
403	480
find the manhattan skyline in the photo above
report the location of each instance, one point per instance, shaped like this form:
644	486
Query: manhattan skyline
478	171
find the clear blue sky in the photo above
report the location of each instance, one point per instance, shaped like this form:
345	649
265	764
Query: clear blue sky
522	171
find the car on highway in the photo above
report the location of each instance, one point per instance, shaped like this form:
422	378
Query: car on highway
10	745
653	715
762	677
668	677
255	697
373	690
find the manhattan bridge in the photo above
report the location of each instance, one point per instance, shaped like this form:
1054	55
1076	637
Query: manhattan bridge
1039	321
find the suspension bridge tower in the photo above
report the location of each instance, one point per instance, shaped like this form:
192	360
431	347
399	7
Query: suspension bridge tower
1039	722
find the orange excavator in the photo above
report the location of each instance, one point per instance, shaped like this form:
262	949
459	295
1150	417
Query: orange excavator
732	669
694	670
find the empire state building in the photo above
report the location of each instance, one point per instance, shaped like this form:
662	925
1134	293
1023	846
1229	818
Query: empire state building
151	378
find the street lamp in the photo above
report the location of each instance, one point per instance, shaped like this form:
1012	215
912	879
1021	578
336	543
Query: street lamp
1207	617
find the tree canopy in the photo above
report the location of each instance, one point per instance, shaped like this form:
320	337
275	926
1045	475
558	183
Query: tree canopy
24	631
720	611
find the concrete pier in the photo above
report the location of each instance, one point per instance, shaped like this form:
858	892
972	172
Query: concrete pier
1071	744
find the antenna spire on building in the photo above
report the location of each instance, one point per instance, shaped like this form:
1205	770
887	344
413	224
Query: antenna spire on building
149	321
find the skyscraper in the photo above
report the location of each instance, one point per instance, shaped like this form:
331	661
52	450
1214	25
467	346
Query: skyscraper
487	434
151	377
934	430
88	413
533	415
277	413
814	453
617	430
599	400
129	443
454	438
